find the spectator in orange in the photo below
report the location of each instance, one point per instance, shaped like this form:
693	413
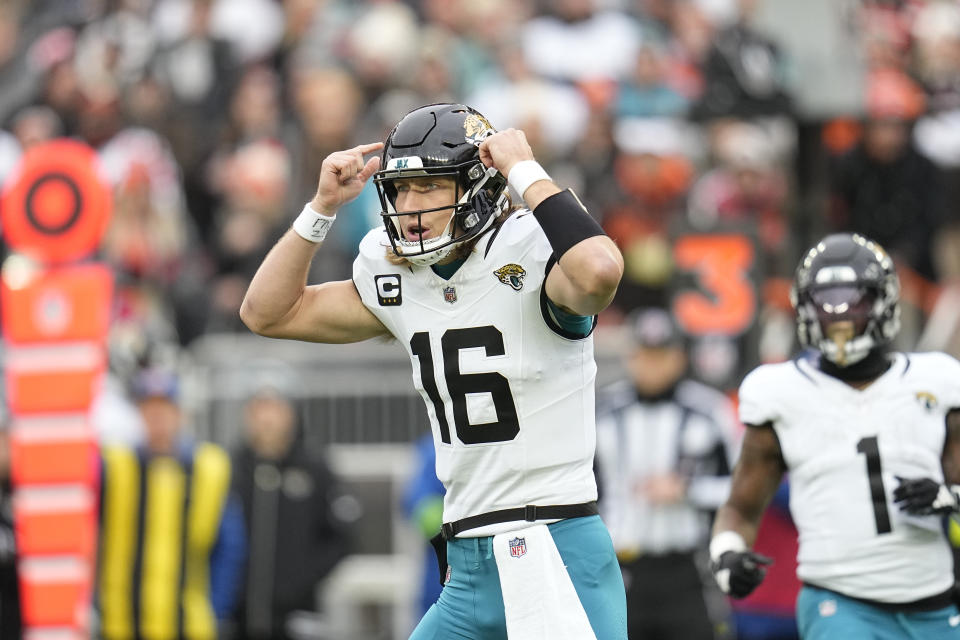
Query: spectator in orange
653	172
748	188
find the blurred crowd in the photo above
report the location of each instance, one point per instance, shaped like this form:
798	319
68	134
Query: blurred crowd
667	117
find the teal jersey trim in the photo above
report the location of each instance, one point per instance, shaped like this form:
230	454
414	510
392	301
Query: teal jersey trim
571	322
446	271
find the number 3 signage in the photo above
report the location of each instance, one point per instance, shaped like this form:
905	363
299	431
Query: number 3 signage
717	304
725	302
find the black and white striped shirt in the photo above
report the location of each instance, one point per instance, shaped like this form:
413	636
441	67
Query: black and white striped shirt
691	433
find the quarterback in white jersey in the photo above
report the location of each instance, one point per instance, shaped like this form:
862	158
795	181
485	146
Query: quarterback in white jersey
495	306
508	391
867	436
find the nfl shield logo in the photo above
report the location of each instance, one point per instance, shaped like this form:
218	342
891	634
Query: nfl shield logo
518	547
450	294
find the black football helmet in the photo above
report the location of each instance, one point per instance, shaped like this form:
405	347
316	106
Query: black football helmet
847	298
441	140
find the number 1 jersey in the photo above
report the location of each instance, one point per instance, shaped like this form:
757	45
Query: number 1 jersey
509	393
844	448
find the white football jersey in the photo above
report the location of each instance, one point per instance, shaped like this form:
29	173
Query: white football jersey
844	448
510	399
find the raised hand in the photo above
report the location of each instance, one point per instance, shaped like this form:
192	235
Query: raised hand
342	176
504	149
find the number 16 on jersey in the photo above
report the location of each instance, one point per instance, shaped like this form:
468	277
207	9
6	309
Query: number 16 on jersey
490	339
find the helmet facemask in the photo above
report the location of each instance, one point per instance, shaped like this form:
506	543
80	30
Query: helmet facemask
846	306
841	318
440	140
472	212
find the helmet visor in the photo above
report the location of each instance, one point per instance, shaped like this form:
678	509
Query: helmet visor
843	302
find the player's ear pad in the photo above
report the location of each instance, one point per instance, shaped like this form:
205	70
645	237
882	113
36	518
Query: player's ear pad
481	205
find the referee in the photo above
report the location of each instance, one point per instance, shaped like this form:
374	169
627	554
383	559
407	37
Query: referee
664	445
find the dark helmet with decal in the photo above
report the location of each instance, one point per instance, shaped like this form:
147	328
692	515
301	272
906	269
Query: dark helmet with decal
441	140
846	295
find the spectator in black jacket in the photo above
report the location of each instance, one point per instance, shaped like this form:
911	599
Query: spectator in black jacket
884	188
295	539
744	73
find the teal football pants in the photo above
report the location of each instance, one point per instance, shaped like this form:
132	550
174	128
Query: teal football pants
470	606
827	615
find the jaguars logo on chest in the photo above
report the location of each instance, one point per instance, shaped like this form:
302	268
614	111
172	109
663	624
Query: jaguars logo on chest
511	275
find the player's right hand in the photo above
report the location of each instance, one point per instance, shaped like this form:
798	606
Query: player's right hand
925	496
342	176
740	572
504	149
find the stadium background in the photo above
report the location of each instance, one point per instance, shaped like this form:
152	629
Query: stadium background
713	139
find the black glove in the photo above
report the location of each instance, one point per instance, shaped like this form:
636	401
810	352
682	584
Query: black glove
923	497
740	572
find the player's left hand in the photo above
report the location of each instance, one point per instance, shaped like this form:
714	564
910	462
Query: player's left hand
504	149
924	496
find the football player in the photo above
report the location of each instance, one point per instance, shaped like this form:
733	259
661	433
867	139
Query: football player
495	306
871	439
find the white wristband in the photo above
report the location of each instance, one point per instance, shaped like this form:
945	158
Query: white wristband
312	226
948	497
525	173
726	541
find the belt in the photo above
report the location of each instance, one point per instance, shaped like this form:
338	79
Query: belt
530	513
930	603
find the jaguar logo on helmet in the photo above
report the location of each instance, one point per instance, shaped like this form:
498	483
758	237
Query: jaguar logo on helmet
476	129
511	275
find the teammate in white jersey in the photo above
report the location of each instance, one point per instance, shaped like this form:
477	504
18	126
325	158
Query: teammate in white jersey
871	439
495	306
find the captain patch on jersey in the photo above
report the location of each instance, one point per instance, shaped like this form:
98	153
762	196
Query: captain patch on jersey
388	290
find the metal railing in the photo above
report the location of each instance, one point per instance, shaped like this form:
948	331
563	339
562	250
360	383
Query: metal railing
346	394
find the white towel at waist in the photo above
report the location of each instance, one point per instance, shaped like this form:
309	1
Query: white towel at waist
539	599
